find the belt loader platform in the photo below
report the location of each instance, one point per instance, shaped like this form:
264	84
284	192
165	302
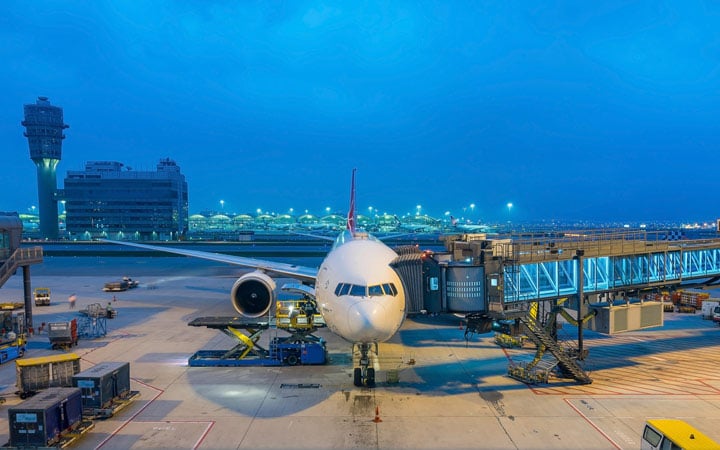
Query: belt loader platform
300	347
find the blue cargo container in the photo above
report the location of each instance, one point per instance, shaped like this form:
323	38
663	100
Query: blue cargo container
43	419
103	383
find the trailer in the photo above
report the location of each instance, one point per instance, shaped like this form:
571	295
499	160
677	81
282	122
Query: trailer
105	389
36	374
63	335
53	418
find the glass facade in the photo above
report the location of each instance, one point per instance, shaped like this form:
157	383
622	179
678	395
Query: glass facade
109	200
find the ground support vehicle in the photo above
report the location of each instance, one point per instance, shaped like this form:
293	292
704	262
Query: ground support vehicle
674	434
708	308
42	296
36	374
53	418
105	389
120	285
14	350
63	335
301	347
12	336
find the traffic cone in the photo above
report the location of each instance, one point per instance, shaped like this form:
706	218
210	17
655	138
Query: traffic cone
461	325
377	418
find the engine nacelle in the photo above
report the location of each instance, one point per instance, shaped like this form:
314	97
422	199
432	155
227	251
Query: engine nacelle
253	294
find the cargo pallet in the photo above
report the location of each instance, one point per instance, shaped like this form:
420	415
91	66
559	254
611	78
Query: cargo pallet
116	406
301	347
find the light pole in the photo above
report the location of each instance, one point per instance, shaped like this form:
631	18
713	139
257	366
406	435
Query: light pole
222	205
509	207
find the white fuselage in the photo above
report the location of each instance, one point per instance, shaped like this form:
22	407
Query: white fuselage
360	297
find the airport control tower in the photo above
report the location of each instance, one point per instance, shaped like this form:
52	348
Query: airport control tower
44	130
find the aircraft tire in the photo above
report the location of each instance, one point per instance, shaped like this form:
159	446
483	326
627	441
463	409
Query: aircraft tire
357	377
370	377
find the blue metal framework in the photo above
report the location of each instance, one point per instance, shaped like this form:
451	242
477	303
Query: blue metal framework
551	279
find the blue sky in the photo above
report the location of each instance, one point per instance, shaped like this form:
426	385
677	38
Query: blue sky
570	110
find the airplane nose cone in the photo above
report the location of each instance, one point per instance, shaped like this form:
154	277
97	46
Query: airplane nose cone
366	322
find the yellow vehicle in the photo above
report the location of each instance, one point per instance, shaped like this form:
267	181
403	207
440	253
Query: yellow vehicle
674	434
42	296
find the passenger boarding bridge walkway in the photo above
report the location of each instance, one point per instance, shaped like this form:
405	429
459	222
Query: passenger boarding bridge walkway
547	267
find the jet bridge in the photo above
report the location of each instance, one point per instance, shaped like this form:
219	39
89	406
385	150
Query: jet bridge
599	279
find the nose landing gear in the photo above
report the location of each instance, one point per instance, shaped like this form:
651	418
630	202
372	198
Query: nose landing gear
364	375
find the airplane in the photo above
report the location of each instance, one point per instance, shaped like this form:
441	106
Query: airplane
360	297
455	222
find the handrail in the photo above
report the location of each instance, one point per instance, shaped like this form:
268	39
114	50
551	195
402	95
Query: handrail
20	257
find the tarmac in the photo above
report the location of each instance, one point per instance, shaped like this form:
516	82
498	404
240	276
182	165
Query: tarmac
449	393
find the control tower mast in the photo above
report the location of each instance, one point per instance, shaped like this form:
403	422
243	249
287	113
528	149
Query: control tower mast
44	130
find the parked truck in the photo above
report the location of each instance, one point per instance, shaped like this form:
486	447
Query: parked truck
708	308
42	296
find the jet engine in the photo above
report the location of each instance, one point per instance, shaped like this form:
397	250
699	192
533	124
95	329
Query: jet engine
253	294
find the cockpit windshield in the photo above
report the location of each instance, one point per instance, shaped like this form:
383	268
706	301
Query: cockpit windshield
357	290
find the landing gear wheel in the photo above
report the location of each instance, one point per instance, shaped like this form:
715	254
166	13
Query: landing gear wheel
357	377
370	379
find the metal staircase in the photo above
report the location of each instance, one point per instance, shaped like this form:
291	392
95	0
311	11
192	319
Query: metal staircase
20	257
566	362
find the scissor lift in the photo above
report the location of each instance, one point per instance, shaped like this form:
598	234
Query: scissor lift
300	347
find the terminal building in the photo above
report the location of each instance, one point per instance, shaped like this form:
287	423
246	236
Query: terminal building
108	199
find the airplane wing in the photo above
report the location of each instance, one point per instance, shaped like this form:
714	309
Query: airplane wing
300	272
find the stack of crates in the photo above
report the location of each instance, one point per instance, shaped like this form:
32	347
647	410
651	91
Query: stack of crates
35	374
43	420
693	298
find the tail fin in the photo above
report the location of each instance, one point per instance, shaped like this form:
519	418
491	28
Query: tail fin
351	212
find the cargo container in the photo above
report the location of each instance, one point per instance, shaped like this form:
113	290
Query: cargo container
34	374
101	384
43	420
63	334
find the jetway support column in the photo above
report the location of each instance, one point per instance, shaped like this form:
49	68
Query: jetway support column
27	288
581	301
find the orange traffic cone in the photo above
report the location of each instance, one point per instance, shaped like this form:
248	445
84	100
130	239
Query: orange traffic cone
461	325
377	418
